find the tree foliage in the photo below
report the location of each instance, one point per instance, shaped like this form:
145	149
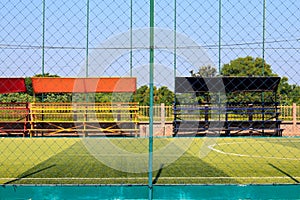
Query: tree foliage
288	94
205	71
247	66
161	95
15	97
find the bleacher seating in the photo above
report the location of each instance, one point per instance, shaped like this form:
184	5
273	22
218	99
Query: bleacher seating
223	116
83	118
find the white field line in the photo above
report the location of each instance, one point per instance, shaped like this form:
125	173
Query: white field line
164	178
212	147
112	155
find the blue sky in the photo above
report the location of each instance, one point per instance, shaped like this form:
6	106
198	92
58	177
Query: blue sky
65	34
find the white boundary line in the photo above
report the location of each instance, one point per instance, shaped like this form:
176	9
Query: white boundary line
146	178
212	147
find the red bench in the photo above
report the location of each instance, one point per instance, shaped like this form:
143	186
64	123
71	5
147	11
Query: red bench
13	115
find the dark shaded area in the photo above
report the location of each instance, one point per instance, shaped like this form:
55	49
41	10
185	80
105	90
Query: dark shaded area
158	174
76	165
285	173
81	167
30	174
189	169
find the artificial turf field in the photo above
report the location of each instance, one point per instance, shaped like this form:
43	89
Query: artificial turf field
207	160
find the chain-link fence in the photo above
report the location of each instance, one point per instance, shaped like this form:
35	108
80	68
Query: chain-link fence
167	79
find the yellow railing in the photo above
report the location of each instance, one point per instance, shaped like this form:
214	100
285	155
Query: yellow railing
160	112
53	118
106	112
286	113
70	112
107	117
290	113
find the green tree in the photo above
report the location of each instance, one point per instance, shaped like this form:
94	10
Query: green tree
28	84
205	71
103	97
247	66
288	94
15	97
142	95
164	95
113	97
161	95
295	95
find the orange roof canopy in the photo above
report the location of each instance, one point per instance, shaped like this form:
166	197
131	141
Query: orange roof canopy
83	85
12	85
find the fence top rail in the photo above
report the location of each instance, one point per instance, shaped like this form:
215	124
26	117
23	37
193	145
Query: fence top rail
83	85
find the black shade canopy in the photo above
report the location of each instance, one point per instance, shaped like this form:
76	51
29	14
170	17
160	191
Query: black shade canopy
226	84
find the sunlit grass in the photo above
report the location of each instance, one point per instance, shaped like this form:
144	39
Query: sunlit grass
207	160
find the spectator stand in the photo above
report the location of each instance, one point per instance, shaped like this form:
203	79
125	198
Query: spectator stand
13	115
228	106
83	117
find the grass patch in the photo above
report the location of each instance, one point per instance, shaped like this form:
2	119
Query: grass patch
125	160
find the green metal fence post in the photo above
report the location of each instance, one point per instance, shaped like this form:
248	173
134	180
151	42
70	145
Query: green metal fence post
263	55
43	44
263	37
150	184
43	39
220	29
130	59
87	38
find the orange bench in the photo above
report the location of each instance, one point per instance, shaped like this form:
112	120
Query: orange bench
84	118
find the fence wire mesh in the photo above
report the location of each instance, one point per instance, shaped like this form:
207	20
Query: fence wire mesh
221	69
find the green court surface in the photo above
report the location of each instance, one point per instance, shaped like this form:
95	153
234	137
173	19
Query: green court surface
124	161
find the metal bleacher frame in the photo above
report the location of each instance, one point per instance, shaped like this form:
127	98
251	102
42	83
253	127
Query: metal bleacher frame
226	117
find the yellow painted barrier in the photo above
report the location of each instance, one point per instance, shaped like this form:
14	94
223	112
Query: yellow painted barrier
84	118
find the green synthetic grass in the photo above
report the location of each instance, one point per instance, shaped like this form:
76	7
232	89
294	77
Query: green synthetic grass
208	160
